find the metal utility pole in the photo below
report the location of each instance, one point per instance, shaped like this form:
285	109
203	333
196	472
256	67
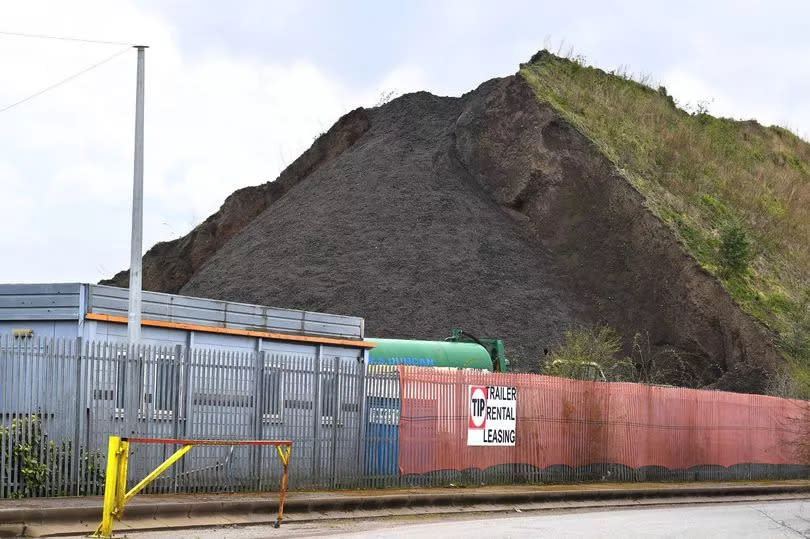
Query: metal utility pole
135	275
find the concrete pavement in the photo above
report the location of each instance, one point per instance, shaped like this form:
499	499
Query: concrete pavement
710	520
67	516
715	521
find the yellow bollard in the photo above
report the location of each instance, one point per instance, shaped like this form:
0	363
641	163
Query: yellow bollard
116	495
121	487
110	488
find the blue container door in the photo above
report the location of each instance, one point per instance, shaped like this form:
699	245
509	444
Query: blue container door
382	437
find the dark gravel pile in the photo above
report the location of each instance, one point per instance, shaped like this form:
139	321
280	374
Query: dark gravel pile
394	230
487	212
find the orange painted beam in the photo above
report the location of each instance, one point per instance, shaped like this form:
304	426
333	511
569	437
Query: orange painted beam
227	331
180	441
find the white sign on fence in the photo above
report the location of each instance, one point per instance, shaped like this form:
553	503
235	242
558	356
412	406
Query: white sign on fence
383	416
493	415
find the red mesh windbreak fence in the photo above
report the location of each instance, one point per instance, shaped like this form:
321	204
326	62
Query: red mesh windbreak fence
577	423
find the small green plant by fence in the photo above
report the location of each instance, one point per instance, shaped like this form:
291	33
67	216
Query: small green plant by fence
34	465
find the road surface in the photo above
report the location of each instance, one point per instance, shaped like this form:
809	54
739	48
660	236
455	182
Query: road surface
744	519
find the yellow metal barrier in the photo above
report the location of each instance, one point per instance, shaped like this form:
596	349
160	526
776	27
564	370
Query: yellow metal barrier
116	495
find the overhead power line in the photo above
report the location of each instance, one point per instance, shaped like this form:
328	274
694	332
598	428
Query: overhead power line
63	81
64	38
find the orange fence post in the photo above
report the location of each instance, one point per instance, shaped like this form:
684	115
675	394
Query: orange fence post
285	461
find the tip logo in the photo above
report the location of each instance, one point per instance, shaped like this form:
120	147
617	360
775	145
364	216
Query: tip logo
478	405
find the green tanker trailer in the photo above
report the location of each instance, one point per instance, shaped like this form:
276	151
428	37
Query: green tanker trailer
461	350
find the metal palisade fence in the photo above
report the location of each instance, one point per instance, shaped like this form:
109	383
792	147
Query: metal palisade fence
356	425
61	399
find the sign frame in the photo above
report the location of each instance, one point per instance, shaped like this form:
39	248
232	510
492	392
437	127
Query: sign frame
492	416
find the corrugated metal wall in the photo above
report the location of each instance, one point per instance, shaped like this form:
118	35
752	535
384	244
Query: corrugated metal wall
208	312
572	430
72	301
40	302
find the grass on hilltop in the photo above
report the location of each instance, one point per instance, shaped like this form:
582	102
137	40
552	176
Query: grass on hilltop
736	193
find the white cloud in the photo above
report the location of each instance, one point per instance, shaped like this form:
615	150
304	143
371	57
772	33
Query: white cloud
214	123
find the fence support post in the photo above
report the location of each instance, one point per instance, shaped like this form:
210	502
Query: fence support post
336	365
361	420
76	453
258	411
176	362
318	414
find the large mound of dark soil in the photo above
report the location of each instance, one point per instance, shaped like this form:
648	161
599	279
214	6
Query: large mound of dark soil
486	212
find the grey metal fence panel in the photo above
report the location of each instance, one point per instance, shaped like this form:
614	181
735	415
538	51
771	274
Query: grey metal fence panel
37	429
66	397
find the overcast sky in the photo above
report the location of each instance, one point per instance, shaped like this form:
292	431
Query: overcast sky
236	90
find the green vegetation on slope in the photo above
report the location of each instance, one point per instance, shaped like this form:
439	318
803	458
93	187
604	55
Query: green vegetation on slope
736	193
